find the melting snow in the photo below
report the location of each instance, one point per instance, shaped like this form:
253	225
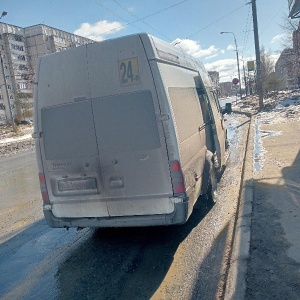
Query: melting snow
280	108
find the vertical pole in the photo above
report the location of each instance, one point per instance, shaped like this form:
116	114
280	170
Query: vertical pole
249	83
238	65
6	93
245	80
257	53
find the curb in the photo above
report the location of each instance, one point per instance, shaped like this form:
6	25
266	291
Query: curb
236	276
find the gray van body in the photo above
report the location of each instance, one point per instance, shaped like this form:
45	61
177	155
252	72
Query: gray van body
122	131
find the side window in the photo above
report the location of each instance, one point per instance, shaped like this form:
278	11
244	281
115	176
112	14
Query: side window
204	103
216	101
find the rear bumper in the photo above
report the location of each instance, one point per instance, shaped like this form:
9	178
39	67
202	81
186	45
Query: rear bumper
179	216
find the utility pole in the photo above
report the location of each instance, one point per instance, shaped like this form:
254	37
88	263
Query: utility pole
237	60
257	53
245	79
4	13
6	92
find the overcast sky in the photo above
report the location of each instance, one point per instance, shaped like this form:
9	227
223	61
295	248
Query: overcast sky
196	24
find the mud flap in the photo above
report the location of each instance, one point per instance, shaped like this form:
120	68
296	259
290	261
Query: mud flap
209	184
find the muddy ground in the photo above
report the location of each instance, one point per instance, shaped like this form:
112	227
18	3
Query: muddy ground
13	142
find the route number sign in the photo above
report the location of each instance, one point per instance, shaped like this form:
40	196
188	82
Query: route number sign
129	71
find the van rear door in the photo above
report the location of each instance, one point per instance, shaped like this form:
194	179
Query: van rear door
104	146
133	165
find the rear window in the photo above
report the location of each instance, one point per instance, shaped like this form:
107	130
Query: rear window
68	131
126	122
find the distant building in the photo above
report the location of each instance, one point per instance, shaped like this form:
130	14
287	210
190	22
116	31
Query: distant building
215	77
226	89
19	49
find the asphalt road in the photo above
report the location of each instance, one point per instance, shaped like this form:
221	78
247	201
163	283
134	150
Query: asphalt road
177	262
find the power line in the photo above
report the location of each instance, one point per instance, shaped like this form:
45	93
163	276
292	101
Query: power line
248	24
216	21
280	9
138	19
115	14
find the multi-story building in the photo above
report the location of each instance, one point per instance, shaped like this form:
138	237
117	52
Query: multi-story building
226	89
215	78
19	50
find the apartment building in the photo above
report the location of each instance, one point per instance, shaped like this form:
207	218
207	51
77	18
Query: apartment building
226	89
19	50
215	78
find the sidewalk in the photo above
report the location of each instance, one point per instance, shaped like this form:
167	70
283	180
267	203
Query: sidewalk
273	269
265	259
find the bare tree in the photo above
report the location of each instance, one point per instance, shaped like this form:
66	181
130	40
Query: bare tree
267	67
270	81
274	83
288	26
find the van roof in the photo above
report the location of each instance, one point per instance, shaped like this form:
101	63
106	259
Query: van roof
156	49
162	50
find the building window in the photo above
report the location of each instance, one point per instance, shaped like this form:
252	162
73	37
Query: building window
22	86
23	67
25	76
16	47
18	38
21	57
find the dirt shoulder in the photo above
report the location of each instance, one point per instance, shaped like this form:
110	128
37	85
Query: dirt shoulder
14	142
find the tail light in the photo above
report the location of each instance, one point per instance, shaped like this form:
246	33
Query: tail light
43	188
177	177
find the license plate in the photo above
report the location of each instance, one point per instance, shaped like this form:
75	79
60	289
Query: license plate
77	184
